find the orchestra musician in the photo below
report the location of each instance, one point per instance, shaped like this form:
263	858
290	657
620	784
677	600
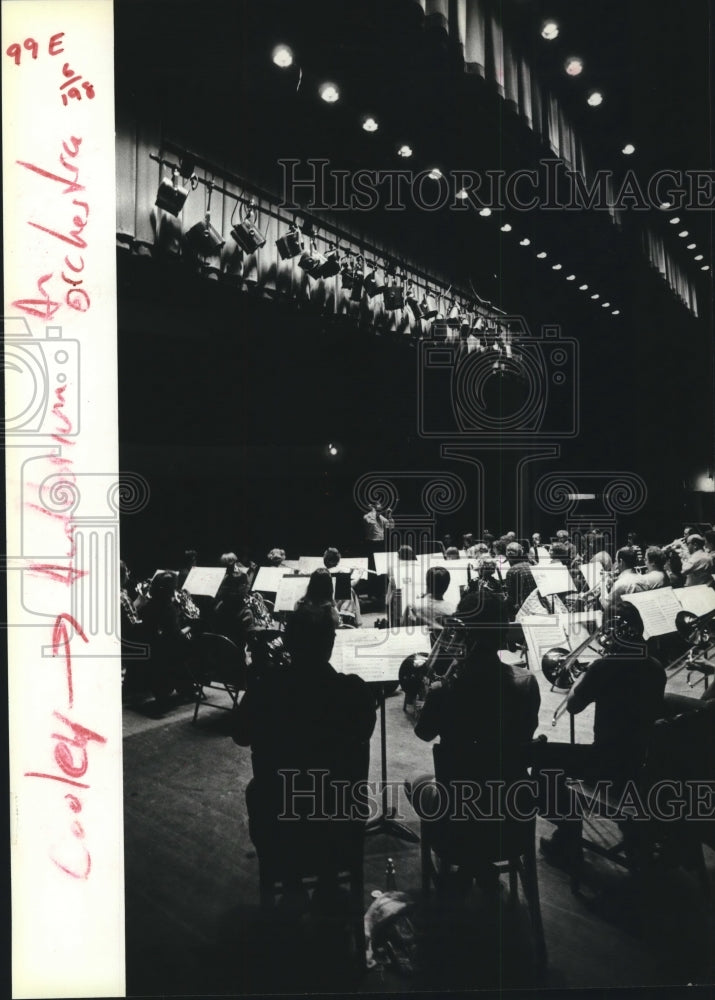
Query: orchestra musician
626	686
698	564
349	605
432	607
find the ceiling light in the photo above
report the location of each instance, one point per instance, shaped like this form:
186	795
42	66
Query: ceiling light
435	174
666	204
570	277
555	267
506	228
549	30
628	149
595	296
574	66
605	305
282	56
462	194
485	212
542	255
404	150
691	246
705	267
595	98
171	196
329	92
370	124
698	256
683	234
674	221
525	242
616	312
583	288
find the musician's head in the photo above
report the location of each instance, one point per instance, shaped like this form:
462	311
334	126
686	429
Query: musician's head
562	535
514	552
452	552
437	581
276	557
604	558
320	587
406	552
695	543
510	536
163	586
536	538
626	558
655	558
331	557
486	618
309	638
229	560
500	546
631	538
559	553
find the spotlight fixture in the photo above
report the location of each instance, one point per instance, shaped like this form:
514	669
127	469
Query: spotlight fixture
698	256
595	99
246	233
674	221
549	30
485	212
629	149
525	242
542	255
583	288
435	174
290	244
462	194
574	66
570	277
404	150
691	246
329	92
683	234
282	56
506	228
171	196
331	264
556	267
332	450
595	296
203	238
370	124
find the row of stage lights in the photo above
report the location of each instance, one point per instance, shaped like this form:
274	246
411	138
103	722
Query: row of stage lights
684	234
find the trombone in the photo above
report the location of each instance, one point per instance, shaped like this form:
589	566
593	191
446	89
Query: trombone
699	633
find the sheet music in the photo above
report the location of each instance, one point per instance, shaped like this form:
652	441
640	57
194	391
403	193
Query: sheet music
384	561
552	579
543	554
376	654
204	581
268	578
308	564
290	590
658	609
699	600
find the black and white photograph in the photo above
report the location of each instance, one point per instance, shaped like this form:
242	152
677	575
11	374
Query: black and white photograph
415	561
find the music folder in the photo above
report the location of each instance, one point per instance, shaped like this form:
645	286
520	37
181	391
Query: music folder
204	581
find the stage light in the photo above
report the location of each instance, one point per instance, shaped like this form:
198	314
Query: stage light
698	256
666	204
404	150
549	30
583	288
332	450
616	312
525	242
246	233
203	238
435	174
485	212
595	99
570	277
282	56
683	234
290	244
542	255
574	66
329	92
370	124
691	246
555	267
629	149
674	221
705	267
462	194
506	228
171	196
605	305
595	296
